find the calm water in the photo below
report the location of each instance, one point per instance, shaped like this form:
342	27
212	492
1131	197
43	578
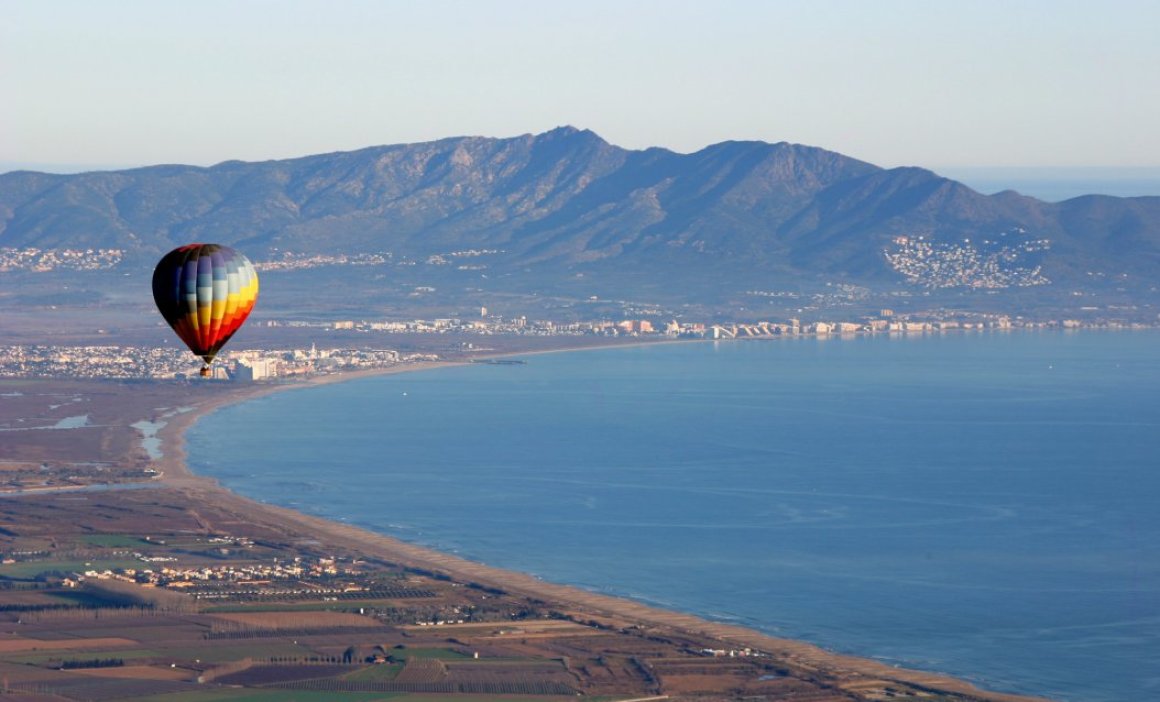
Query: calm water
1058	184
983	505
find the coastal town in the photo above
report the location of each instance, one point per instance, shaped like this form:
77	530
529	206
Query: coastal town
137	363
131	362
1005	261
987	264
922	263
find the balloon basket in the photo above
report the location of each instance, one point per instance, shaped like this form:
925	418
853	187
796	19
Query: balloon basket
206	371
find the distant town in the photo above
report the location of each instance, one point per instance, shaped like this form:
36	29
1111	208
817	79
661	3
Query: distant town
986	264
991	264
40	260
250	365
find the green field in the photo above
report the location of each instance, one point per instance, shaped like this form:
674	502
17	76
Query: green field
219	653
113	540
128	655
375	673
311	696
271	696
30	569
208	654
441	653
313	606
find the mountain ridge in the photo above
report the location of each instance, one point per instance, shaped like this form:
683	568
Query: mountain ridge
568	203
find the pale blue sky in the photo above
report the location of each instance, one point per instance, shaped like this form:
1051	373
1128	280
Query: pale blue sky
1026	83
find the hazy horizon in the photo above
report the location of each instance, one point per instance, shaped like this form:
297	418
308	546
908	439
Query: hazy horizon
1045	183
1032	83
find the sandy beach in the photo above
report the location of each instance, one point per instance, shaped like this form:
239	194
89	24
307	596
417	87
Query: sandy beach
177	475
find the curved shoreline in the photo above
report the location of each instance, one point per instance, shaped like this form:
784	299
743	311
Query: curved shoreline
805	656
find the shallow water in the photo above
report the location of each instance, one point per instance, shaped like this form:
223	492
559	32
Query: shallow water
77	422
149	440
982	505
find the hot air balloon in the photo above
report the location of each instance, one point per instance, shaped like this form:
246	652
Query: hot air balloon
205	292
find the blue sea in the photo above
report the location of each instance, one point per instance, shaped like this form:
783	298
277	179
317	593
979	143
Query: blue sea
1059	184
980	504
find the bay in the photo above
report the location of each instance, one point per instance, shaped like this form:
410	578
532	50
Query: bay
977	504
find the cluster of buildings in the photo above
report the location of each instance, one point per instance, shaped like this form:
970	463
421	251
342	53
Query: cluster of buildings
447	259
135	363
289	261
41	260
234	574
294	261
486	325
884	322
987	264
126	362
795	327
733	653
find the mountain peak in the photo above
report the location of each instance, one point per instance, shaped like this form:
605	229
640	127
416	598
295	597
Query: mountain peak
567	131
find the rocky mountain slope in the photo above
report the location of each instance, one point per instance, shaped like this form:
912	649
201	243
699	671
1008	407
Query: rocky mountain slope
566	205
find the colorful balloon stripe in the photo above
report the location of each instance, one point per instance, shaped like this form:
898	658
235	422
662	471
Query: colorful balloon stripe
205	292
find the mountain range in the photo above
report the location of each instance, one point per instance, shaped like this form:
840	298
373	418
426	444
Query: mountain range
566	213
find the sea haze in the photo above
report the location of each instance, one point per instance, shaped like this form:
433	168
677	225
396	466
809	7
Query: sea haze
1059	184
978	504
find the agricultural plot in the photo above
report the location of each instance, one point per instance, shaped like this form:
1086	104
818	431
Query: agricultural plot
251	695
265	675
513	687
276	620
95	689
409	653
382	672
31	570
19	601
113	541
428	671
217	594
137	672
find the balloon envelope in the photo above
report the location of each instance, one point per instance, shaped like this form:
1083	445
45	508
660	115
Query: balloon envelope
205	292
